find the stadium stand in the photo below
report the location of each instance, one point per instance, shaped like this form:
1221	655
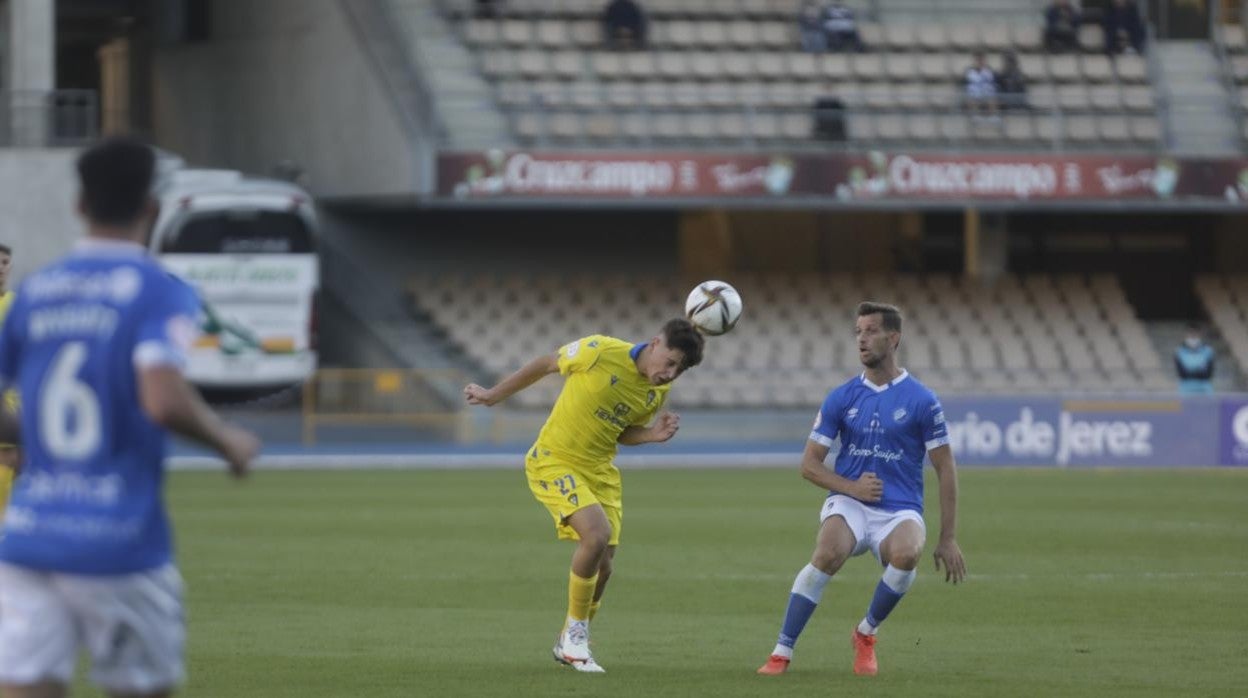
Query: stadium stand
1033	333
732	72
1225	299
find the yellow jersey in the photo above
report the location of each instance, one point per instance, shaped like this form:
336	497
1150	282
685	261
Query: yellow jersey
604	394
6	302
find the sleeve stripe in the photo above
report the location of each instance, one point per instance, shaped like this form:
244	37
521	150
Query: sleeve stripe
821	439
937	442
152	353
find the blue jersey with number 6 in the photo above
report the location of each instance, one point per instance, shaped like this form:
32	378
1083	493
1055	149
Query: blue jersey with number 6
89	499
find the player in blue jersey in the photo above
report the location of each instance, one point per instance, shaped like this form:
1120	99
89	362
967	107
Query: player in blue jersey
886	422
95	343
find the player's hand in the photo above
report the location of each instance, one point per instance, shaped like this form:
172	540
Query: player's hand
239	447
950	554
476	395
665	427
868	488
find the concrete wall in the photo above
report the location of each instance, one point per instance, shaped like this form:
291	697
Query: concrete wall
37	194
283	80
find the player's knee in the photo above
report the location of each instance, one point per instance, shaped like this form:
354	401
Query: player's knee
597	539
906	558
828	561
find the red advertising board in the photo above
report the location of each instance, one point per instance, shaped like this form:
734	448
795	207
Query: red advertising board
878	175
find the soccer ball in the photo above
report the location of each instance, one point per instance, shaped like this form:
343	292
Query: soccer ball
713	307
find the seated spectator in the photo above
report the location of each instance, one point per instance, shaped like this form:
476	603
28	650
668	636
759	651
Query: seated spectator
1061	27
829	123
810	27
841	28
981	89
1012	84
1122	21
624	25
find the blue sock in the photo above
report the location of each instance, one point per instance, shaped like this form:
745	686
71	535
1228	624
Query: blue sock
893	585
807	590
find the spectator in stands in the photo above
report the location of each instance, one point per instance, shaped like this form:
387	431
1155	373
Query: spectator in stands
981	89
810	27
1011	83
829	123
1061	26
841	28
624	25
1193	361
487	9
1122	21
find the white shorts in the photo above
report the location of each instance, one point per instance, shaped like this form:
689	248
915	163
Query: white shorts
131	625
870	525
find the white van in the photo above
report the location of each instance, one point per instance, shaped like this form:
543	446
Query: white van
249	247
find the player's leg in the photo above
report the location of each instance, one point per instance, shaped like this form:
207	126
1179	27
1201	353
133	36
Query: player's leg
836	543
899	552
134	630
593	532
604	575
37	637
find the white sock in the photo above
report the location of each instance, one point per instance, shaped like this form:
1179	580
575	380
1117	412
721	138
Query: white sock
898	580
782	651
866	628
810	583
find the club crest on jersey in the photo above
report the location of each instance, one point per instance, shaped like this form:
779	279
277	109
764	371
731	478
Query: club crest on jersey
899	414
650	395
615	379
593	344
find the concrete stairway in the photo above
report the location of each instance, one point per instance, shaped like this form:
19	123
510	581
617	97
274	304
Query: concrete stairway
1200	119
464	103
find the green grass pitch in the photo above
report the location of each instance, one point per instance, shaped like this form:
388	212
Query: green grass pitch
436	583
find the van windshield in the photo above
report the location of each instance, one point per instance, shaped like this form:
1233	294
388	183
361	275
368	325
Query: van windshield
241	232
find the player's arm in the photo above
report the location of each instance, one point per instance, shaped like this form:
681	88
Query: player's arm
867	488
528	374
664	428
8	427
947	550
172	403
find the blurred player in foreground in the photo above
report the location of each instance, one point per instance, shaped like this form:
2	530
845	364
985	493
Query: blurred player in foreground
8	401
95	344
613	390
886	422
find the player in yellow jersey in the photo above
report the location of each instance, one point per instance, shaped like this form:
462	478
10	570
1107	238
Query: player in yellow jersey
8	453
613	395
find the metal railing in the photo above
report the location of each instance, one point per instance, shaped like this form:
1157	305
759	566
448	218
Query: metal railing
48	118
591	116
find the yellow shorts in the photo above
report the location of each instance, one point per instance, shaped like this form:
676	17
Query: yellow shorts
564	488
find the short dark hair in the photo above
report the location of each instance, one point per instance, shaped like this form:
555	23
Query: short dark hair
116	177
680	334
6	249
890	314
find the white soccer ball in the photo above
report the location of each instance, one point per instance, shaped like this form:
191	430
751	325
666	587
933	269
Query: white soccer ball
713	307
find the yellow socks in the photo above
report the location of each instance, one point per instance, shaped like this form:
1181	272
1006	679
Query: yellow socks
581	596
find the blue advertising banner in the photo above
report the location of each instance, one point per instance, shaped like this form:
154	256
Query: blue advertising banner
1069	432
1234	431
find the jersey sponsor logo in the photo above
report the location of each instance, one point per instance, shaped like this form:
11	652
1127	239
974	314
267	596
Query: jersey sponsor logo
571	350
899	415
118	285
616	416
874	452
